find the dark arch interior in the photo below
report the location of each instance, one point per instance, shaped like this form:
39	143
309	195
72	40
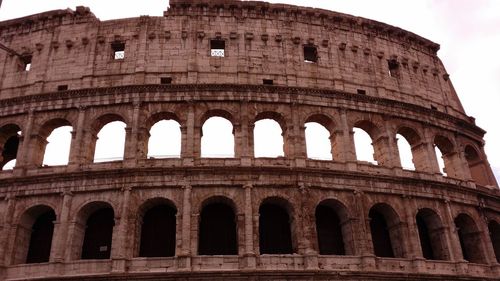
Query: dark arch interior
158	232
9	150
217	230
470	239
41	238
274	230
329	230
425	238
98	235
494	229
381	238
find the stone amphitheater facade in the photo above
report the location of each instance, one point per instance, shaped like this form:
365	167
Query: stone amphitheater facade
243	217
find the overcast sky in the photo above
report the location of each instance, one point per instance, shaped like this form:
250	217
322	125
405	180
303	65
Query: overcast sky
467	30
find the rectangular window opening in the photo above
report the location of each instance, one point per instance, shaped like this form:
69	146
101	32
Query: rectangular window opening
361	92
393	68
267	81
310	54
26	62
165	80
217	48
118	50
62	87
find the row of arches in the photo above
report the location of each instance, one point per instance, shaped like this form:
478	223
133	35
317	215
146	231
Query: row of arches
164	137
156	231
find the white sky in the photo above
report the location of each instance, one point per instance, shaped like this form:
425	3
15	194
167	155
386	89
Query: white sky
467	30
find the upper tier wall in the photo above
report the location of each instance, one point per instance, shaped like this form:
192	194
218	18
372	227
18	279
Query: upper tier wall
263	41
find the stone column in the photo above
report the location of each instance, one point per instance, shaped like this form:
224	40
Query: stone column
297	139
249	255
120	239
184	260
75	156
61	227
131	142
246	148
391	150
7	231
343	141
363	233
188	135
452	235
306	229
24	143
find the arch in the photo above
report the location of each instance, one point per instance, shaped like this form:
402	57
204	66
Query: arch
477	165
109	138
318	141
157	220
217	138
275	235
34	235
470	239
94	230
54	142
364	132
268	135
9	145
333	229
494	230
432	235
218	227
165	139
386	230
448	160
411	153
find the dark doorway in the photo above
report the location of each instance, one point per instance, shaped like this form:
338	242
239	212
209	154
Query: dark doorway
158	232
381	238
494	229
425	239
329	230
41	238
470	239
217	230
98	235
274	230
9	150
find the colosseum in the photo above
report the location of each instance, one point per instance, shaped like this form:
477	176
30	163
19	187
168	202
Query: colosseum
243	216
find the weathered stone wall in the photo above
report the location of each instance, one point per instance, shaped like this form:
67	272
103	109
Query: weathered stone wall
74	49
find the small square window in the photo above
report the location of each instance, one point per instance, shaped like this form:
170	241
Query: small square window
361	92
26	62
62	87
267	82
393	66
165	80
310	54
118	50
217	48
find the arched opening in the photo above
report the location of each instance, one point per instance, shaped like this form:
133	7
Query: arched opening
218	234
217	140
98	234
58	146
494	229
432	236
470	239
332	229
364	132
386	232
275	236
158	231
110	144
9	145
448	160
318	142
268	138
165	140
34	235
411	153
477	166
